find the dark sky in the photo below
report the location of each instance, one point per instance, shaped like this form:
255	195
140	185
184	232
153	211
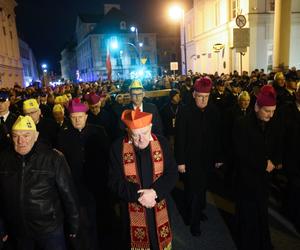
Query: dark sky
46	25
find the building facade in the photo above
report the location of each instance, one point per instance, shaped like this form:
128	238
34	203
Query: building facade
29	65
211	22
168	49
96	33
10	61
69	63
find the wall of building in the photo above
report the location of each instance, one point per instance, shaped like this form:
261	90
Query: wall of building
10	61
29	65
215	21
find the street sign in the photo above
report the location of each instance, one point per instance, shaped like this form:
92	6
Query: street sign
143	60
240	21
174	65
241	38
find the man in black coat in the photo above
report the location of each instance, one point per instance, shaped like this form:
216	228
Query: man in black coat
36	192
47	128
169	113
142	173
7	119
257	141
290	114
86	149
137	95
198	149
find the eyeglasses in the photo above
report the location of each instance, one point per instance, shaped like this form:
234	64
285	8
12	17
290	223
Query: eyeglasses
31	113
202	97
136	95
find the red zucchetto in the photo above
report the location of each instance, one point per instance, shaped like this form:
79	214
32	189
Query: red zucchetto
266	96
203	85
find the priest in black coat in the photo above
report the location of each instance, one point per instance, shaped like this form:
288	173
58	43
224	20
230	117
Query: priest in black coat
198	149
142	173
7	119
86	149
257	141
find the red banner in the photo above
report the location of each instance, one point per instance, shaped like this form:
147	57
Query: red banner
108	66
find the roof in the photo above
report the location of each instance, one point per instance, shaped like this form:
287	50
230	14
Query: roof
90	18
110	23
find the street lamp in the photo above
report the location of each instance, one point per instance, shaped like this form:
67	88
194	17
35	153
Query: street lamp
176	13
137	42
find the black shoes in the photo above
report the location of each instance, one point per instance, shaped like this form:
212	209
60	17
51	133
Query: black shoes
195	230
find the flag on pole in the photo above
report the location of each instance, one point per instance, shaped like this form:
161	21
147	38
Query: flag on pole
108	65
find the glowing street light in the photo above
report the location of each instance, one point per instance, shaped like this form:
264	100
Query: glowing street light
114	44
176	13
44	66
132	28
141	45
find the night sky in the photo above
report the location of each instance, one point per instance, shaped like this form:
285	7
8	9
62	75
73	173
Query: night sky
46	25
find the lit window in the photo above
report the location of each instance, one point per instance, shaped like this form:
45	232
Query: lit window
235	8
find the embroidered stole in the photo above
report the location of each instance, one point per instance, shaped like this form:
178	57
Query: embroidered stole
137	213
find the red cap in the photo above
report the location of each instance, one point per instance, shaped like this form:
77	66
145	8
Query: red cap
76	106
203	85
92	98
135	119
266	96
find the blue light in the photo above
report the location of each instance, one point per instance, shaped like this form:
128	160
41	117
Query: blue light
44	66
141	45
114	43
132	28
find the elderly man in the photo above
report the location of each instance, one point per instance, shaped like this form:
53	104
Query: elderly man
86	149
58	113
7	119
36	192
142	174
47	128
98	116
137	94
198	149
257	145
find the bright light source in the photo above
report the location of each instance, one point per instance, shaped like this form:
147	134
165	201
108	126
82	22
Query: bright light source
114	43
132	28
176	12
45	71
121	52
141	45
44	66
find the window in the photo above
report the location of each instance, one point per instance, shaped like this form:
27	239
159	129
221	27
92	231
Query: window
235	8
270	5
133	61
123	25
217	13
146	41
4	31
11	35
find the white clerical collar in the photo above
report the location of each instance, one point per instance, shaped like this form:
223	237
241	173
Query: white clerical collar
130	140
5	116
135	107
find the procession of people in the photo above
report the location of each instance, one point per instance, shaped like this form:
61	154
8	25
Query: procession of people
75	159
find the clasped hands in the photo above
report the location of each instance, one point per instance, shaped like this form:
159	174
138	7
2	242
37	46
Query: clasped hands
147	197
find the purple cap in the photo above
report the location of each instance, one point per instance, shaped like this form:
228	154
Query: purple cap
76	106
92	98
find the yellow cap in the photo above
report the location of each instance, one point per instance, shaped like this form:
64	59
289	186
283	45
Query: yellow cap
24	123
279	76
136	84
59	99
30	104
66	98
58	108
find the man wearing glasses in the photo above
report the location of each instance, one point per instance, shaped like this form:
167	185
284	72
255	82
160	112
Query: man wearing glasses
197	150
47	128
137	94
142	173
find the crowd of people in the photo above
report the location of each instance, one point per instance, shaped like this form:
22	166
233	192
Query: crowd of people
71	154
